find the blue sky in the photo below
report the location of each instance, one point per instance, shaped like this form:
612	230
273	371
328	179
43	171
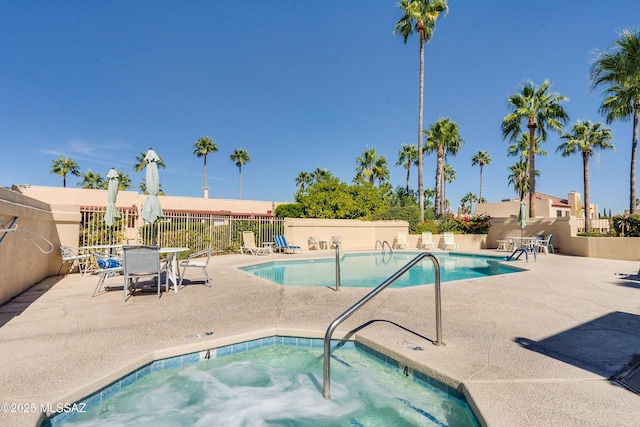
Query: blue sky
297	84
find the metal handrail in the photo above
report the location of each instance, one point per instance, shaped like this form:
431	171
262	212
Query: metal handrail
337	266
369	296
382	243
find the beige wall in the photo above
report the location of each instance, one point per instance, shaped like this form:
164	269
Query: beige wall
22	263
126	199
565	238
363	235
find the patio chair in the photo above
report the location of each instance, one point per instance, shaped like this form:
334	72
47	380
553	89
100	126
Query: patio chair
427	240
546	245
72	256
335	241
108	266
401	240
313	243
200	260
140	261
283	246
249	245
449	241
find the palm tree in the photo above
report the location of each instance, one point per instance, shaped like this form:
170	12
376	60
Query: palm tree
443	137
141	163
617	70
91	180
124	182
586	138
518	177
482	159
381	170
542	110
448	176
303	180
321	175
366	165
420	16
205	146
469	198
407	156
64	165
240	157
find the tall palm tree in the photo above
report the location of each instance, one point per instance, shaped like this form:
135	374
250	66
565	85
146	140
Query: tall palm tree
205	146
91	180
240	157
303	180
586	138
420	16
482	159
443	137
366	165
63	166
407	156
617	71
541	110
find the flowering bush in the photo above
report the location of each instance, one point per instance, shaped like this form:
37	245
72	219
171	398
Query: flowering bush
473	224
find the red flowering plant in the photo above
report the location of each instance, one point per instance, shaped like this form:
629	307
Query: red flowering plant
473	224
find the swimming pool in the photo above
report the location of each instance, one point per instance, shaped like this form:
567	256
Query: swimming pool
276	381
371	269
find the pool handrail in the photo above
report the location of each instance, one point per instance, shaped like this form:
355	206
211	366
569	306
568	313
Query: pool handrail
369	296
382	243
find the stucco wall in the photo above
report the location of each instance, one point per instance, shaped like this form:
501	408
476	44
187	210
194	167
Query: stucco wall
22	263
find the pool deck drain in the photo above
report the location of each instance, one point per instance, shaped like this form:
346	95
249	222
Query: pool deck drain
536	348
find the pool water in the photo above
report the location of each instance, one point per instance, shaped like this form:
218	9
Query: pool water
279	386
371	269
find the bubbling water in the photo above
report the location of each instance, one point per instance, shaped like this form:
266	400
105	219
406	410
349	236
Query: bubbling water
278	386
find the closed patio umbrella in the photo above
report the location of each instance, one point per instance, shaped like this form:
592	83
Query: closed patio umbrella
112	194
523	216
152	211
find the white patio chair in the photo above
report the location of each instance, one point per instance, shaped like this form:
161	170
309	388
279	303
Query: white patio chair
401	240
449	241
313	243
335	241
198	260
546	245
427	240
108	266
72	256
140	261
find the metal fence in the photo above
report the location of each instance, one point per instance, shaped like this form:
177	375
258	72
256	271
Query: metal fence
193	229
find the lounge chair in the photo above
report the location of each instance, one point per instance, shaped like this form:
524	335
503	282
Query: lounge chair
313	243
401	240
449	241
200	260
427	240
141	261
546	245
72	256
249	245
108	266
283	246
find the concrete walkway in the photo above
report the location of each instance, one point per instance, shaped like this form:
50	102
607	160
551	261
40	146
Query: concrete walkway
536	348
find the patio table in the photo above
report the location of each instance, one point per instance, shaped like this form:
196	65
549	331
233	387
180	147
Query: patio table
171	262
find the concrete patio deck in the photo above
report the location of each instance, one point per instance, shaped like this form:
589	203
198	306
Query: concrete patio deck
536	348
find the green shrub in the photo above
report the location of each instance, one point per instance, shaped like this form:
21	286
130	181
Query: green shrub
410	213
427	226
289	210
